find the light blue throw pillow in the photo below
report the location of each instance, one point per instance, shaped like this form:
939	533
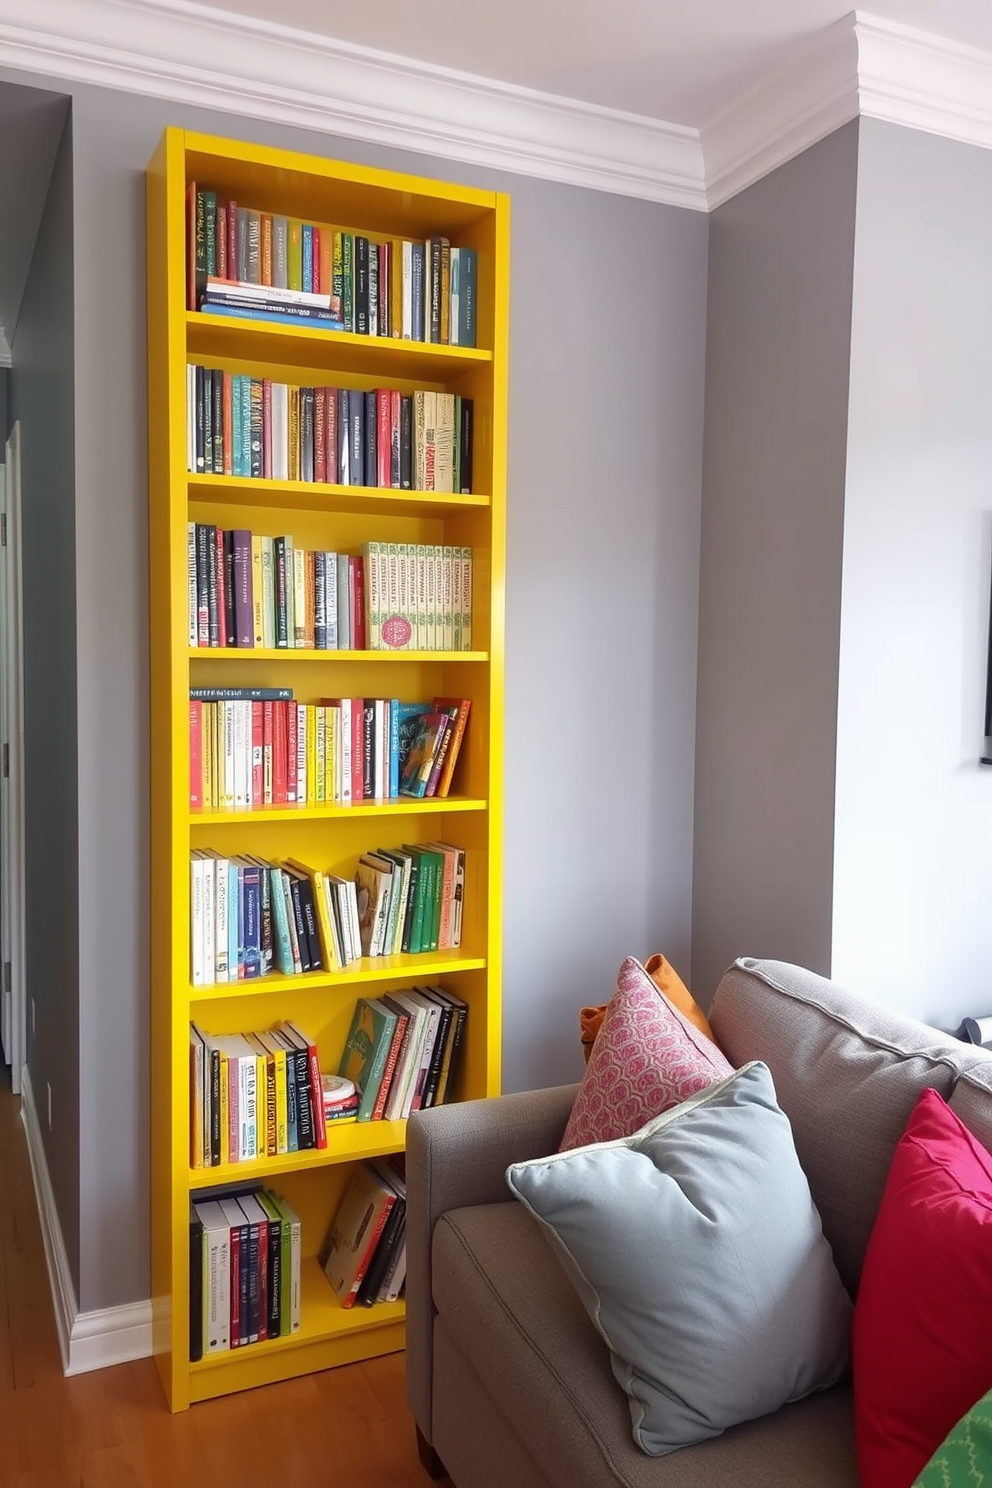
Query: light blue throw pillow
698	1253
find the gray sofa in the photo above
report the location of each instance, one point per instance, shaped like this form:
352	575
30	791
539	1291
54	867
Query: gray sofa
509	1383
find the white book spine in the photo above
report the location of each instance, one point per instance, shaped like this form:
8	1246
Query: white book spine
196	921
209	920
421	595
228	776
379	756
296	1263
331	599
241	760
302	785
346	736
190	417
447	609
222	927
373	597
216	1290
457	603
466	599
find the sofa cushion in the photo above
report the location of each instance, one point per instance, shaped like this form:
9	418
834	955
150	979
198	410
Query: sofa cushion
722	1301
512	1331
647	1057
846	1073
667	980
924	1311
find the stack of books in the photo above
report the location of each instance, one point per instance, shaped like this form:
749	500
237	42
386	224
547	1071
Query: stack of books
411	898
364	1255
249	748
412	289
418	597
403	1050
244	1269
253	1095
263	430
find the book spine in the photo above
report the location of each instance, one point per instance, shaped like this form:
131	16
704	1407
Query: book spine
244	618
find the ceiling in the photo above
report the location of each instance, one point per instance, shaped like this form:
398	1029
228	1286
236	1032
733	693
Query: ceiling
680	61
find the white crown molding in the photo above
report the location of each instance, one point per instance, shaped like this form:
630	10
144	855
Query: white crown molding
87	1340
802	101
158	48
923	82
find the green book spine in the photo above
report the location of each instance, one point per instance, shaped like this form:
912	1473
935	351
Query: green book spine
437	885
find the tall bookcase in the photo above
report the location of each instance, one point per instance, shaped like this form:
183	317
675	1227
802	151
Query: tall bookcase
378	204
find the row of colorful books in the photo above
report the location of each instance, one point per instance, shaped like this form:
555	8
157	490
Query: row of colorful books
403	1051
414	290
245	1256
250	918
250	591
248	753
262	430
253	1095
364	1254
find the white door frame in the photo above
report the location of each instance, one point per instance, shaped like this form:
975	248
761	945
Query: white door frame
12	864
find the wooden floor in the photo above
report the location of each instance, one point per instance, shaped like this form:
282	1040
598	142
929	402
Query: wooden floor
110	1429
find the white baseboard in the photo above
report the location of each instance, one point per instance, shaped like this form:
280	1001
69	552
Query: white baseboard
87	1340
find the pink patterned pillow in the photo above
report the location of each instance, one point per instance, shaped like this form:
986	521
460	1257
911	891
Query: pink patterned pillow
646	1058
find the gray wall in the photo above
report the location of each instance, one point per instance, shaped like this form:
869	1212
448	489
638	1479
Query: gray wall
913	853
4	403
42	400
604	469
779	316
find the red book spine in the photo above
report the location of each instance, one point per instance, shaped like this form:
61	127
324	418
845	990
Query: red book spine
356	590
195	755
331	436
280	749
373	1241
387	1073
221	567
232	239
235	1287
384	448
227	434
266	428
268	741
257	755
357	749
292	742
395	419
320	435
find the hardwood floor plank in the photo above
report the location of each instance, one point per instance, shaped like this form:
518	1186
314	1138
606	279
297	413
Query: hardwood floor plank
111	1428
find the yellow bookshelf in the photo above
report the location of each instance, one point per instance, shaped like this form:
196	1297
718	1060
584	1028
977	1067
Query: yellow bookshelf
377	203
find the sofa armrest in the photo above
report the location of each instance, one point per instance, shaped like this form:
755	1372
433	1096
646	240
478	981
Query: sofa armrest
457	1155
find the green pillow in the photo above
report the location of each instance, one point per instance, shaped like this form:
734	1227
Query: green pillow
964	1458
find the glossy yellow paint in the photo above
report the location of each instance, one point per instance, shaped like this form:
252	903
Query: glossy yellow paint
382	203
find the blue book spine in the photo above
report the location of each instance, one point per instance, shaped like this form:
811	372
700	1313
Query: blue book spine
240	901
356	454
319	601
253	905
417	292
394	748
292	315
308	257
283	947
344	439
236	425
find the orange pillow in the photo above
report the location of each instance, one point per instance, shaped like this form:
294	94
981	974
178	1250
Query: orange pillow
668	981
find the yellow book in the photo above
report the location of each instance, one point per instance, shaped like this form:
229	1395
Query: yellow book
396	288
311	755
276	1049
328	947
207	754
294	433
256	586
320	752
332	754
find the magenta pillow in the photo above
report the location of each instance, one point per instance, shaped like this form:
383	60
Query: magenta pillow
922	1342
646	1057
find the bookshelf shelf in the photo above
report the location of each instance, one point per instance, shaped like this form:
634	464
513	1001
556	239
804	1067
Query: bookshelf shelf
293	654
311	496
359	203
405	806
215	337
369	970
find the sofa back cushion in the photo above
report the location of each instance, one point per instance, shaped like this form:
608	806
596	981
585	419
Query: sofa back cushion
846	1073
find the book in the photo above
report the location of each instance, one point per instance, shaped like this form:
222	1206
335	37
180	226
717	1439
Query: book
423	750
373	881
366	1051
355	1230
462	707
